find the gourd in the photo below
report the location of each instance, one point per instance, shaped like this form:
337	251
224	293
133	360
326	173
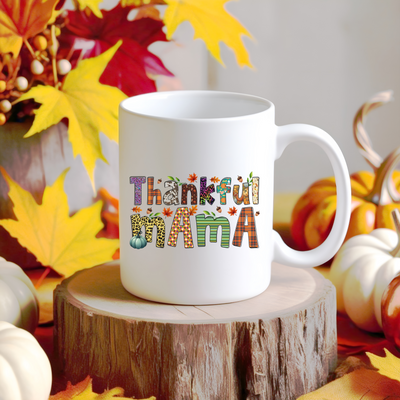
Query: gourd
361	271
25	371
138	241
18	299
374	195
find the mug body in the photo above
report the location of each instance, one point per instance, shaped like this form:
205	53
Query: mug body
196	196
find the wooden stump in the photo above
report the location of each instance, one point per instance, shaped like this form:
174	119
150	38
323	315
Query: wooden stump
278	345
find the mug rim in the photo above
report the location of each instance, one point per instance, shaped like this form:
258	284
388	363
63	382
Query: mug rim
128	103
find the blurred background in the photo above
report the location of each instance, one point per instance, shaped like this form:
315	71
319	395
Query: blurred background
318	61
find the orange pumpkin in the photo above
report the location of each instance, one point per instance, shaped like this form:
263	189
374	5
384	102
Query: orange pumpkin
374	195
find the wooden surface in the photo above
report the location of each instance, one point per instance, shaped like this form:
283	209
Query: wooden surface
278	345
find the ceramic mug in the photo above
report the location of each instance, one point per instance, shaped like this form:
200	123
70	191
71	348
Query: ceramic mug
196	196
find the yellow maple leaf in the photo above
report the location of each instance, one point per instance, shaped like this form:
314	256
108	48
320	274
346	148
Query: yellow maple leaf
212	23
93	5
66	244
388	366
90	107
83	391
360	384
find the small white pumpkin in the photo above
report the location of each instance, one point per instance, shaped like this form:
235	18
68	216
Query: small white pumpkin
25	371
18	299
361	271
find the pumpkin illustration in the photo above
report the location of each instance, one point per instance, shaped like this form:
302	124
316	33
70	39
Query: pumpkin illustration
374	195
138	241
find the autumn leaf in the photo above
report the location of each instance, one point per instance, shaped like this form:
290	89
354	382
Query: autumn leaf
66	244
193	210
232	211
192	178
136	35
92	5
89	106
360	384
146	8
140	3
148	12
84	391
110	214
21	20
167	212
214	179
136	209
388	366
212	23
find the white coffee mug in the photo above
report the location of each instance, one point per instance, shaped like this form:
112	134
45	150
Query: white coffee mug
196	196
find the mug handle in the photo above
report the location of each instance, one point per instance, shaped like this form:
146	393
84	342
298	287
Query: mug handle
311	258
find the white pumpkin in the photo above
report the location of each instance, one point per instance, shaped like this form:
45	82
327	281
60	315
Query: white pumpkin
361	271
25	371
18	299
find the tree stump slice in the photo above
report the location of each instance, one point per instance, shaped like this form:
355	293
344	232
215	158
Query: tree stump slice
278	345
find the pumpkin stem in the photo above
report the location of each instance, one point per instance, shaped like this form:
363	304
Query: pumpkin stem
384	190
360	134
396	219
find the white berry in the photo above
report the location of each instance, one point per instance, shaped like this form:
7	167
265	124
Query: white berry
5	106
63	67
21	83
36	67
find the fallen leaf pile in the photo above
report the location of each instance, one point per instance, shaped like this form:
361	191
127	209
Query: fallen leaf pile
364	383
83	391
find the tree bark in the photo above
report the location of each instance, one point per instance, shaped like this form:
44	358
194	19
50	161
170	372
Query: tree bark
278	345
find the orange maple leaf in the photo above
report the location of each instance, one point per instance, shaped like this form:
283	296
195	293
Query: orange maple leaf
136	209
192	178
110	213
193	210
167	212
21	20
214	179
83	390
232	211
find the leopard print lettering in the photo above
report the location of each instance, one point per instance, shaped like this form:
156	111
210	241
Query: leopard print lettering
176	228
138	181
205	192
223	189
137	223
171	197
193	194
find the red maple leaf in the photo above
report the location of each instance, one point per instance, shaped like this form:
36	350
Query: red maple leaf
193	210
192	178
214	179
129	68
232	211
167	212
